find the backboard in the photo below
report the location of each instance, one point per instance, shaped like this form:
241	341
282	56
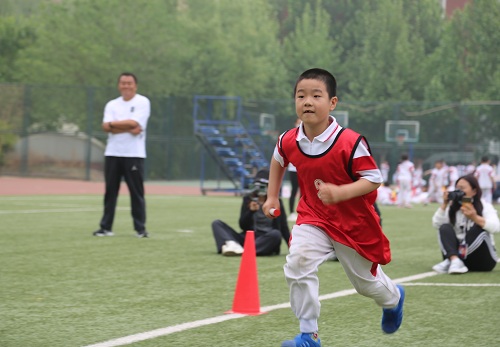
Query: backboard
401	131
267	123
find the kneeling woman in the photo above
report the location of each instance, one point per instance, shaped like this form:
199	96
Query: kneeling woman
466	225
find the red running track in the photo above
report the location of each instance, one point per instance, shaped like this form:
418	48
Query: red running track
46	186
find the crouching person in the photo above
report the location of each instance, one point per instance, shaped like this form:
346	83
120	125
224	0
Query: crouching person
268	233
465	225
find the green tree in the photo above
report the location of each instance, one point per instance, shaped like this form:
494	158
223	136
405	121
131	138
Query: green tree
88	43
91	42
309	44
14	37
183	48
20	7
190	46
466	65
467	68
388	60
233	49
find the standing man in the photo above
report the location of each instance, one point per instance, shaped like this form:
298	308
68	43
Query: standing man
125	120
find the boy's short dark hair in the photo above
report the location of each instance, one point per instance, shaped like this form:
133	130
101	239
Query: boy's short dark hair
321	75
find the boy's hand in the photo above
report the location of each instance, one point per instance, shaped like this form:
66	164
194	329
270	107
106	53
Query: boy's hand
268	205
330	193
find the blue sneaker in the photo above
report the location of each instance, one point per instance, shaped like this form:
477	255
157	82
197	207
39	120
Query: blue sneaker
303	340
392	317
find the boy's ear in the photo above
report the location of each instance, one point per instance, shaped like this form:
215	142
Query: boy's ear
333	103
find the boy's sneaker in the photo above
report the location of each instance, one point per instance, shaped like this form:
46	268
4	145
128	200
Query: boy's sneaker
103	232
392	317
232	248
457	266
142	234
303	340
442	267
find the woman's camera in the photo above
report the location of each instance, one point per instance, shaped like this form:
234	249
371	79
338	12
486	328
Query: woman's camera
456	195
258	189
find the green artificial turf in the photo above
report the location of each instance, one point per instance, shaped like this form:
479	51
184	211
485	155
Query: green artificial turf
60	286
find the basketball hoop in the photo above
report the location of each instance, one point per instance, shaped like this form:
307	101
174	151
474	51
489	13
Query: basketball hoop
400	139
401	136
402	131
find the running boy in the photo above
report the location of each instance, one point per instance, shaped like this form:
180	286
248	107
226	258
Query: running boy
338	181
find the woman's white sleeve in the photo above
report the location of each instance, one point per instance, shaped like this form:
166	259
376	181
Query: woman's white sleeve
490	215
440	217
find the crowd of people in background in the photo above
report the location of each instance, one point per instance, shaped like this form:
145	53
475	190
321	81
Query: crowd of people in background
465	219
411	184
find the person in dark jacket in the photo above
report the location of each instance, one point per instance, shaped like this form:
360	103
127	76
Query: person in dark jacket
268	232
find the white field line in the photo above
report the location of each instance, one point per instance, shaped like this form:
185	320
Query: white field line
52	197
60	204
166	331
75	197
453	284
199	323
62	210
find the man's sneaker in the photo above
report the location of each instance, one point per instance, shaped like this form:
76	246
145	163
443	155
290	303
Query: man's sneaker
232	248
457	266
392	317
442	267
103	232
142	234
303	340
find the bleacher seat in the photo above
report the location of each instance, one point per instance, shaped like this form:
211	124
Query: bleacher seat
225	151
217	141
232	162
232	147
259	163
243	141
208	130
240	171
235	130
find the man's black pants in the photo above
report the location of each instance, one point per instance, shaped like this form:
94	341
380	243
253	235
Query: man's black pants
132	170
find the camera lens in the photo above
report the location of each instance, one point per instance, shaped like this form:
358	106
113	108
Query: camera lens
456	195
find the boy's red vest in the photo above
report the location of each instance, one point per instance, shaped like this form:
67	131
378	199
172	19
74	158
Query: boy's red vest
354	222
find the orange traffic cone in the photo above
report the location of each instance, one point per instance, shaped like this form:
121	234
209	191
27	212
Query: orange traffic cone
246	295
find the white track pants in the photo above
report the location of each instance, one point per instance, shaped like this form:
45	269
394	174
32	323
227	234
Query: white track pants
487	194
309	248
404	194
